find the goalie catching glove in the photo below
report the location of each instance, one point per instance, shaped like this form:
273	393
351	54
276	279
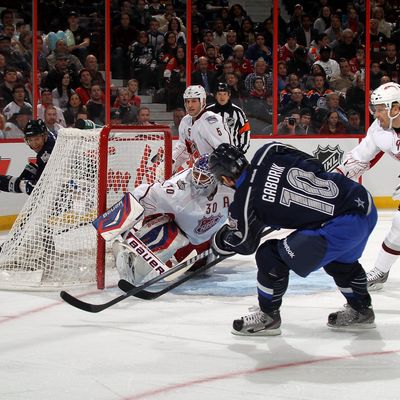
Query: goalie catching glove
220	241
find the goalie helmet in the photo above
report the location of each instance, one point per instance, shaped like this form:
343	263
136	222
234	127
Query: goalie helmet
203	181
35	127
227	160
386	95
196	92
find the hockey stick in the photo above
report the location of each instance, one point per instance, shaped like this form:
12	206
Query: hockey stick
147	295
95	308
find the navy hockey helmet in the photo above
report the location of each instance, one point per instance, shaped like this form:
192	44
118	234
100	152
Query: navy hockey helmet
227	160
35	127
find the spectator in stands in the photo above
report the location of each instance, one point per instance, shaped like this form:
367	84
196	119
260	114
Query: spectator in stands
141	16
41	55
346	47
167	50
238	91
14	128
384	26
355	95
214	62
156	38
3	66
286	52
282	76
260	72
297	102
305	34
219	35
332	104
332	124
227	68
246	35
354	126
18	93
323	22
121	38
358	62
197	37
298	65
258	89
305	124
95	106
177	116
197	17
242	66
155	7
115	117
13	58
128	112
236	16
50	120
10	80
204	77
321	40
376	75
295	18
74	107
143	62
83	91
293	83
378	41
60	50
46	100
385	79
259	50
23	46
353	23
79	37
317	95
175	26
330	66
62	92
226	50
144	116
6	18
344	80
334	32
166	18
290	124
61	67
201	49
92	66
134	99
390	65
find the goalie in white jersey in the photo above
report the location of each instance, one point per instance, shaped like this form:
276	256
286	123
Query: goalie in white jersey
180	215
383	136
200	131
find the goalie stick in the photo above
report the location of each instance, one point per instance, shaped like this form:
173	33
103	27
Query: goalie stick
95	308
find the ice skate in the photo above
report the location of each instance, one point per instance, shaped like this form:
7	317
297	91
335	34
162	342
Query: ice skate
258	323
376	279
350	319
123	261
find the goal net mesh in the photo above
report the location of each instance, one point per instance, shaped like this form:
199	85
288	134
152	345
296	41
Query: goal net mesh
52	243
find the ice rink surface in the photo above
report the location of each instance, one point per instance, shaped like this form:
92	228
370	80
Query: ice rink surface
180	346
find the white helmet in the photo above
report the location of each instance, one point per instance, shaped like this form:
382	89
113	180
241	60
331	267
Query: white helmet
386	94
196	92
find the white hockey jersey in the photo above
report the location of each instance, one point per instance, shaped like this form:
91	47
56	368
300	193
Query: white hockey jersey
377	142
202	136
197	216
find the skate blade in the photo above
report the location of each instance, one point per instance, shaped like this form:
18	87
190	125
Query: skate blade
353	328
375	287
264	332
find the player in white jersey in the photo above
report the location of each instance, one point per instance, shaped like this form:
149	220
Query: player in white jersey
383	136
200	131
180	215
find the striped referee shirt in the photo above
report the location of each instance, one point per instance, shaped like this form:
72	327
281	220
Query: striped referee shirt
236	123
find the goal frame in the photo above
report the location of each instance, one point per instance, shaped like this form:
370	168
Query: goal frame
103	183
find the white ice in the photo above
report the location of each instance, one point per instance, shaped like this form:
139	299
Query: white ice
180	346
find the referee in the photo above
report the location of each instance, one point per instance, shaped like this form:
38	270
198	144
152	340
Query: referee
235	120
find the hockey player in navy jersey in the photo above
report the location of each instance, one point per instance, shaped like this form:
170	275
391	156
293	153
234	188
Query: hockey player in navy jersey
333	216
41	141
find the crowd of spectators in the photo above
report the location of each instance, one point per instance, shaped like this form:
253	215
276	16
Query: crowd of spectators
321	61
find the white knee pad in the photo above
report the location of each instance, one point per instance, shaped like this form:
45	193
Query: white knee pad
392	239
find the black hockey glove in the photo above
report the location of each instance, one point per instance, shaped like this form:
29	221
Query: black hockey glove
27	186
218	242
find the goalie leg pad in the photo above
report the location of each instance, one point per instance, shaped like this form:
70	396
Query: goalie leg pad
163	237
119	218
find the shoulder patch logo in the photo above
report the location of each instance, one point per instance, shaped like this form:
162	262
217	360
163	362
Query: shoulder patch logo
211	119
330	157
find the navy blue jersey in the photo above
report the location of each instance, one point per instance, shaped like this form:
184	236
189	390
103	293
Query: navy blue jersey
286	188
43	156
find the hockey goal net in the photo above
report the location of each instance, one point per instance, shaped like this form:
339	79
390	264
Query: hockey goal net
52	244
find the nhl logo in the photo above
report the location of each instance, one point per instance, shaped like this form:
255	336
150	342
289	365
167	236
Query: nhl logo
330	157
